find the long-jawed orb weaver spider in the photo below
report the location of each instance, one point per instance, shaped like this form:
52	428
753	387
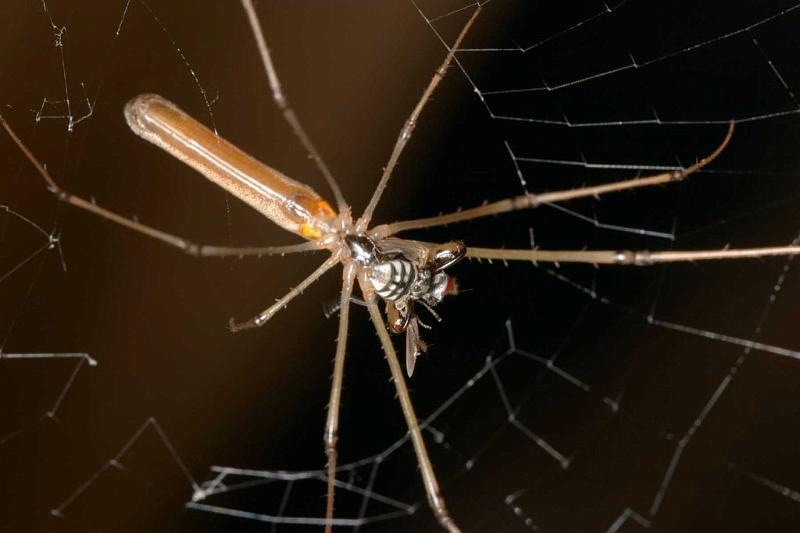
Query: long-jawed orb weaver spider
402	273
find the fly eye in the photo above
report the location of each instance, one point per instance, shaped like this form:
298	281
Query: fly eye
448	255
439	288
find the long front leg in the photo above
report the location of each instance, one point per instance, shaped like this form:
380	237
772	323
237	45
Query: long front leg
332	423
628	257
528	201
187	246
435	499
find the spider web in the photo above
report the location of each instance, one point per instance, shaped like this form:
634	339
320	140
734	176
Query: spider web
553	398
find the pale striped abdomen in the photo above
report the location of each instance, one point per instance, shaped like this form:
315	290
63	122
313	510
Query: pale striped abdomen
393	279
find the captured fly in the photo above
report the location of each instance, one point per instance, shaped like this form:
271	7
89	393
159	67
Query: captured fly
403	274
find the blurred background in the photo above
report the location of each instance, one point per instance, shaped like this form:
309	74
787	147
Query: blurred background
619	85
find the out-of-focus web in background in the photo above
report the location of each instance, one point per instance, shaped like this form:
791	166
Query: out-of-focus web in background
555	105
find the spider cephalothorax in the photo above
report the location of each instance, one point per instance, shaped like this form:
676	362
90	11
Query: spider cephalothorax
404	273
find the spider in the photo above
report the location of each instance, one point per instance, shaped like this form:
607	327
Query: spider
402	274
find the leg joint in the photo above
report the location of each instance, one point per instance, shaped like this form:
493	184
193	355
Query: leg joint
60	193
192	249
526	201
628	257
440	511
677	175
330	438
625	257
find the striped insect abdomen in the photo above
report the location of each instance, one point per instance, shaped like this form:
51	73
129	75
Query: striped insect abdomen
393	279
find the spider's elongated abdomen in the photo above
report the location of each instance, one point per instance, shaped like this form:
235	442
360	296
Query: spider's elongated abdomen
290	204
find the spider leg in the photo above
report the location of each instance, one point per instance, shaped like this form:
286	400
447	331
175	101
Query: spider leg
207	250
332	423
189	247
408	127
528	201
435	499
284	107
262	318
628	257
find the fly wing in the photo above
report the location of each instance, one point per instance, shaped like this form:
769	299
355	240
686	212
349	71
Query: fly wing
414	345
415	251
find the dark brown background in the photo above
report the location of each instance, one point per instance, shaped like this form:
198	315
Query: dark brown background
155	319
